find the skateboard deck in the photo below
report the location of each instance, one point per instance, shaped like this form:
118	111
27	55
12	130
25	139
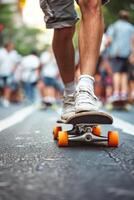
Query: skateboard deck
47	105
92	118
119	105
86	128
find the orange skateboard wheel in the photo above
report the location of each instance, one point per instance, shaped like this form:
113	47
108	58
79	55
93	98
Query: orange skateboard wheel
97	130
56	131
113	139
63	139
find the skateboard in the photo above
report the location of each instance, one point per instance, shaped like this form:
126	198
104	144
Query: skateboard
85	128
47	106
119	105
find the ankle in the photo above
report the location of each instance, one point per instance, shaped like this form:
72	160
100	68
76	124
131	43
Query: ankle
116	93
124	94
86	81
69	88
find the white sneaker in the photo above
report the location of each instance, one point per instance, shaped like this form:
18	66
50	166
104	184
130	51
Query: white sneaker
68	108
114	97
49	100
86	101
124	96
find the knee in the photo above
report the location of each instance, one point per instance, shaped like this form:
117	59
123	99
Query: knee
90	6
64	34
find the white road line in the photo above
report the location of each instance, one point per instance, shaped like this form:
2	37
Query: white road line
126	127
17	117
59	110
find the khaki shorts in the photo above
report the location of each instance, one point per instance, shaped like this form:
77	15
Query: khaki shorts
60	13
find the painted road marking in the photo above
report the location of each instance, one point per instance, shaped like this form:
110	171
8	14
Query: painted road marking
126	127
19	116
16	118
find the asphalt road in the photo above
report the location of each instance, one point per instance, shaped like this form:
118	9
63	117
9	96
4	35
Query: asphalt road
32	167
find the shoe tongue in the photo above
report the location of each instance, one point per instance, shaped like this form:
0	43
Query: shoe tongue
68	94
86	89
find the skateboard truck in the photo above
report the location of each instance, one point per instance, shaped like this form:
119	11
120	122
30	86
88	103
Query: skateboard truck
85	133
86	137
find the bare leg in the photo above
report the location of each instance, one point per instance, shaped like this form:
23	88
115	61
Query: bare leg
90	35
132	90
64	53
7	93
109	91
116	82
124	83
49	91
41	87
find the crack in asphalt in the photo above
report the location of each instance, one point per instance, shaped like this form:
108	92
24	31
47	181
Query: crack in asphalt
121	162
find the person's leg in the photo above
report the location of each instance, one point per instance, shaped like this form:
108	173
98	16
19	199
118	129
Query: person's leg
116	83
41	87
90	36
26	88
132	90
124	85
116	64
7	96
115	95
64	54
131	82
7	91
124	79
49	91
32	92
61	16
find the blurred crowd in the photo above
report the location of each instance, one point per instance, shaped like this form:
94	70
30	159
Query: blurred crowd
35	78
31	78
115	69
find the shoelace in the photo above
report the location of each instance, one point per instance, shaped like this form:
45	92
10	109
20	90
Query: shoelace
69	100
85	96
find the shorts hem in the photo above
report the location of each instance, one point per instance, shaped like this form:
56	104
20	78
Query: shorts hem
105	2
58	25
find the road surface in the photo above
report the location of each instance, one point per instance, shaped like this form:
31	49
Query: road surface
32	167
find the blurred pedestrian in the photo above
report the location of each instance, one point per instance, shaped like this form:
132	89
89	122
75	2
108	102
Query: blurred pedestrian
29	74
105	68
121	33
9	59
100	70
131	73
50	77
